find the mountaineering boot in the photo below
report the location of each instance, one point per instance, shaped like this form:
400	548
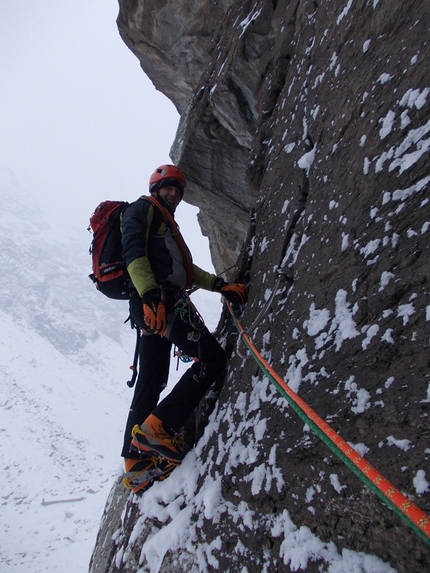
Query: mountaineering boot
141	474
151	435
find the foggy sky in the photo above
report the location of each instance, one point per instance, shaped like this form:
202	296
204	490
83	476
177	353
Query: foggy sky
80	122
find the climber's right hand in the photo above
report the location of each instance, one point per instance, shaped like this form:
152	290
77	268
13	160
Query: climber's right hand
154	312
235	293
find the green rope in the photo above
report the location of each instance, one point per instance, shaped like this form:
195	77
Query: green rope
334	448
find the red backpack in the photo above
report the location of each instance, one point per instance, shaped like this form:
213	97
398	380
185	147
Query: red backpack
109	272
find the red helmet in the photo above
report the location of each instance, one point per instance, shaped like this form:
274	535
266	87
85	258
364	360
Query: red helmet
167	174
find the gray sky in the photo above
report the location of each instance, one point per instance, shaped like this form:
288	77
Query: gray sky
79	120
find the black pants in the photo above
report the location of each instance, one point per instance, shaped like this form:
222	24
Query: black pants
154	362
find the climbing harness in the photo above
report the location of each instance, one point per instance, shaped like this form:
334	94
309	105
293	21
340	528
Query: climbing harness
189	314
186	310
411	514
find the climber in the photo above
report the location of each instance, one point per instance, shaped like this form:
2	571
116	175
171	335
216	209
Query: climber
161	269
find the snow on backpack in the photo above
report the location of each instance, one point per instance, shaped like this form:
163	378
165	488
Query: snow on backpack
109	271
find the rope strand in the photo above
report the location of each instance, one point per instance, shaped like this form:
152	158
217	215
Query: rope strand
411	514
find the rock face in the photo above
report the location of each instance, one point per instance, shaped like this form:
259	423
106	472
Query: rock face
304	136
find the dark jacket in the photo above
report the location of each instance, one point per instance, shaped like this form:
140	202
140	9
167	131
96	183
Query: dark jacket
151	253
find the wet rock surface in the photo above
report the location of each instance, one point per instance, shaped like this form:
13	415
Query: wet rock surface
304	135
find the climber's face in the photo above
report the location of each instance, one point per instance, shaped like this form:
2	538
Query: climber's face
171	195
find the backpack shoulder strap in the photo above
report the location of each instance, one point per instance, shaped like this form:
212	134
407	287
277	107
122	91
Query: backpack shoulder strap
172	224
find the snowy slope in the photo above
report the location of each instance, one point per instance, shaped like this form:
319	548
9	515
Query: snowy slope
64	362
63	370
61	428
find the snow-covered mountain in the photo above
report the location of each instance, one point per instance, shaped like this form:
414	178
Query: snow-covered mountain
65	354
64	363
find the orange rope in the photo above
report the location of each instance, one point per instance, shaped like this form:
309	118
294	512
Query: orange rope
406	507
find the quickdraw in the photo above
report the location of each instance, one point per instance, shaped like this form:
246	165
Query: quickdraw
181	356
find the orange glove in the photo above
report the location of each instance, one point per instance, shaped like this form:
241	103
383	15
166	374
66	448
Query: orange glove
154	312
236	293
